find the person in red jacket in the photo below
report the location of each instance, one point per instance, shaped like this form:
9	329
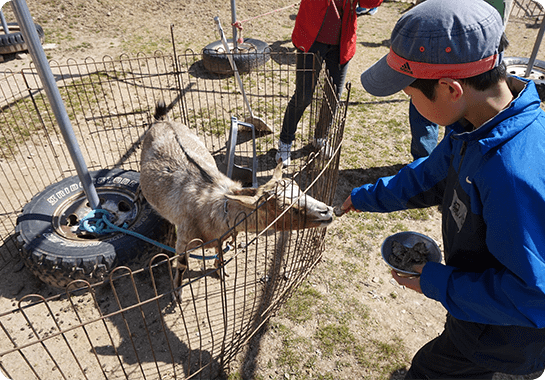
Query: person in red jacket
326	28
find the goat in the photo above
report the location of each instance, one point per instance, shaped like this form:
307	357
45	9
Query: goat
180	179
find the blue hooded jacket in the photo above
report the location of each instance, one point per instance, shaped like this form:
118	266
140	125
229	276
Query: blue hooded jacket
491	185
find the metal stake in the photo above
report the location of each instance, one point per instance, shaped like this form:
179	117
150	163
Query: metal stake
233	20
535	50
4	23
37	53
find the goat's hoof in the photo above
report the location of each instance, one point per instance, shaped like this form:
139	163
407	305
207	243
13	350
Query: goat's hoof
222	273
177	296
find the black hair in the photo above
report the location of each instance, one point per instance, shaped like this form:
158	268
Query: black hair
480	82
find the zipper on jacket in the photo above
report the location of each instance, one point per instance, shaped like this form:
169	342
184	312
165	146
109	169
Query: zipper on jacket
462	154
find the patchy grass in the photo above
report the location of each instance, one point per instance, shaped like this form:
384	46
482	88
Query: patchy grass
384	357
299	308
21	121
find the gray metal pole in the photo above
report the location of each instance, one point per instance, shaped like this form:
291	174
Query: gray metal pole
233	20
535	50
4	23
30	35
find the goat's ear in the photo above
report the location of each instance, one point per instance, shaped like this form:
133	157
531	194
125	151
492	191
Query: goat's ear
247	195
278	171
247	191
271	184
244	199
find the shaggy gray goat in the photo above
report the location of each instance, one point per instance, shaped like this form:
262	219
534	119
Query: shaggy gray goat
180	179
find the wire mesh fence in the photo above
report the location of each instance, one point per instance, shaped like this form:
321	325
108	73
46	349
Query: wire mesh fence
126	323
530	10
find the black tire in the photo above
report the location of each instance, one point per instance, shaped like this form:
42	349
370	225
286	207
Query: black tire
13	41
517	66
248	56
54	250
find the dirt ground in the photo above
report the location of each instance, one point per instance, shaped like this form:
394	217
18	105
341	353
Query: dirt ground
94	28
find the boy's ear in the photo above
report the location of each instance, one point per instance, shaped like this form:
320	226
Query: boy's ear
453	86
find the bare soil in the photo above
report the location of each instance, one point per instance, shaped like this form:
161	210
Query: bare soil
94	28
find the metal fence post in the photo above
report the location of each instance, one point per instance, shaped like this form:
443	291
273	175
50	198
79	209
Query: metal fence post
37	53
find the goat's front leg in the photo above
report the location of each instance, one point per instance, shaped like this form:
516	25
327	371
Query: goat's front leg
218	261
180	269
220	269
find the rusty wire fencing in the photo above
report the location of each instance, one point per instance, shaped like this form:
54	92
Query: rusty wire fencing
527	9
125	324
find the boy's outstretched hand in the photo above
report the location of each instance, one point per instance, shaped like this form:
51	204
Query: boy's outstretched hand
348	206
410	282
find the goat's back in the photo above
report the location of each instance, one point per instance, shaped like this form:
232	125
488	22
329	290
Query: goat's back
176	143
178	174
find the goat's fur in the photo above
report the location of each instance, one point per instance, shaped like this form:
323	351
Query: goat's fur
180	179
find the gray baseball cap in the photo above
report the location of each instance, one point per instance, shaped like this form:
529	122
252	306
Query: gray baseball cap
437	39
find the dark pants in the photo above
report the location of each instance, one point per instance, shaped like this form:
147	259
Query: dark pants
424	134
308	71
440	359
469	350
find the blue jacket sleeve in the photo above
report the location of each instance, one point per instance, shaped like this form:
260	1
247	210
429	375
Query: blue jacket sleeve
419	184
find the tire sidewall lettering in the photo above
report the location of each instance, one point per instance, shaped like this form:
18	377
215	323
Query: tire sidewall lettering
61	194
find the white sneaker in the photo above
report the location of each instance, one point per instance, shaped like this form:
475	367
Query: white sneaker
284	152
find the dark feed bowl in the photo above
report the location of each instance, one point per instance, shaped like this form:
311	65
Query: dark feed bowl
409	239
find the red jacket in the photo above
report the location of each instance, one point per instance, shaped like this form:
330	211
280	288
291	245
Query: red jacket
310	17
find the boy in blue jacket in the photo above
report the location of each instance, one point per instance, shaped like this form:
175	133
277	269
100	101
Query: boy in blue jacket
489	176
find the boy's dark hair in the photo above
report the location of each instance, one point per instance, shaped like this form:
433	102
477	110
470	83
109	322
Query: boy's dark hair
479	82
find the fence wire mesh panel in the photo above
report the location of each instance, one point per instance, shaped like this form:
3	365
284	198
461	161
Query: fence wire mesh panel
529	10
128	324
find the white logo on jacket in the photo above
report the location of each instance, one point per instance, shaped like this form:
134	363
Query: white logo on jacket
458	210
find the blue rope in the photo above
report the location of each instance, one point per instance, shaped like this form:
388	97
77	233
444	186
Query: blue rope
94	223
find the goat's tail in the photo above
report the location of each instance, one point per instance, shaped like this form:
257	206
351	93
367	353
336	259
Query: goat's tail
161	110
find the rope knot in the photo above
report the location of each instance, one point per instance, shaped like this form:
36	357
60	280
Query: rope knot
97	222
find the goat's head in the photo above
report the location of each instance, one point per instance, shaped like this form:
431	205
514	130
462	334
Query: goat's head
279	195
